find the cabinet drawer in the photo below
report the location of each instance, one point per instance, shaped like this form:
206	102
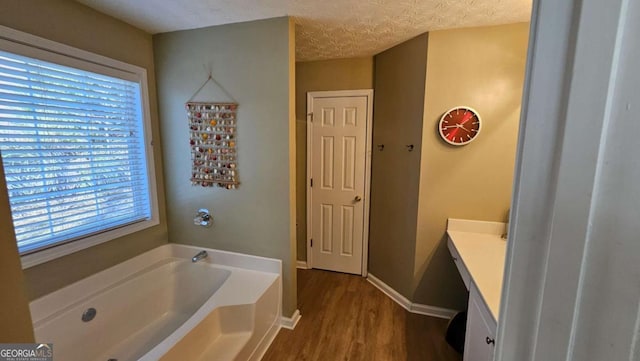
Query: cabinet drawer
466	278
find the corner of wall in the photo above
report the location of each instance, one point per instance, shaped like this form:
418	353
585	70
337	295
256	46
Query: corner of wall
497	78
398	121
292	164
14	306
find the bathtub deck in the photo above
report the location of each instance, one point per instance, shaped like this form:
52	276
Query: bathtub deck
161	306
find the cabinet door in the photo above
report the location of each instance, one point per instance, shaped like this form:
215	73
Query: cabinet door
479	343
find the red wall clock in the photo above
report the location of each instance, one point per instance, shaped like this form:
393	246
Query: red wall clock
460	125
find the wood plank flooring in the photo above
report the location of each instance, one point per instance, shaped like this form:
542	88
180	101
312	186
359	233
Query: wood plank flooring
344	317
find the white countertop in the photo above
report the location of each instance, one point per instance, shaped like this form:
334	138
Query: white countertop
483	253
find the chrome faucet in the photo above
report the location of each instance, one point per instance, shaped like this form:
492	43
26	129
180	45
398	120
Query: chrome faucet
199	256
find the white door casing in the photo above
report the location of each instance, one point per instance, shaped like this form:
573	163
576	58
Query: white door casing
571	289
338	170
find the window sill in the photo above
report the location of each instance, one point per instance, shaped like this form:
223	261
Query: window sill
62	250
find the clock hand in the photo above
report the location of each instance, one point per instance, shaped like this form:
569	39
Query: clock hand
466	120
459	125
463	122
453	134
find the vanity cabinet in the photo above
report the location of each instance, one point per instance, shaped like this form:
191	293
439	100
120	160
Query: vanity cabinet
478	251
481	329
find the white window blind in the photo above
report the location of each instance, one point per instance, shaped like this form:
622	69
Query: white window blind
72	144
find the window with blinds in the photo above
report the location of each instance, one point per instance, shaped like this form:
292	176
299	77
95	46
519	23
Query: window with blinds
73	150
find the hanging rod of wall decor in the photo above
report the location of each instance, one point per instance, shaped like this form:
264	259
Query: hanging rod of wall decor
212	103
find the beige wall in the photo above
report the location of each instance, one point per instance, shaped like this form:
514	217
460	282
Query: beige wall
473	181
76	25
395	173
15	319
413	193
339	74
252	61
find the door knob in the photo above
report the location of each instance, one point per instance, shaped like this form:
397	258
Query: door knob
357	199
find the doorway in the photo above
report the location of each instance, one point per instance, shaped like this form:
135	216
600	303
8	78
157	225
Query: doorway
339	126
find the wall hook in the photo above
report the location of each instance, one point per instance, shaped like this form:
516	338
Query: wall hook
409	147
380	147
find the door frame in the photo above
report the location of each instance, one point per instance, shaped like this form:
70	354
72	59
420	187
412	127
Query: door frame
368	93
575	49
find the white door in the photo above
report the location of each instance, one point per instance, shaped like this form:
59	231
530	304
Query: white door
337	155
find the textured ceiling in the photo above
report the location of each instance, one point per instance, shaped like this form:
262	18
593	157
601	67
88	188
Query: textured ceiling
326	29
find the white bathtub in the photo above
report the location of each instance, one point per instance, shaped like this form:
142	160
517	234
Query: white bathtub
161	306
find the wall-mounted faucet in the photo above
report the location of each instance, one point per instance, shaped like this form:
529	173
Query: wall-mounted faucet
203	218
199	256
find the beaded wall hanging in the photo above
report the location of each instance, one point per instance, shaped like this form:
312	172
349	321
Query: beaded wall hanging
212	129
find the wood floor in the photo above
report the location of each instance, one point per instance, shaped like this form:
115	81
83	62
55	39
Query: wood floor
344	317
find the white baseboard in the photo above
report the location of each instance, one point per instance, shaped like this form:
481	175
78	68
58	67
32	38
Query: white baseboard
290	322
408	305
432	311
302	265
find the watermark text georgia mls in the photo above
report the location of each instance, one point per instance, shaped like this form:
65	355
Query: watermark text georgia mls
26	352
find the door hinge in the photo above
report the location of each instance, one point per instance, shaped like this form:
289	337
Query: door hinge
311	240
311	115
311	182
